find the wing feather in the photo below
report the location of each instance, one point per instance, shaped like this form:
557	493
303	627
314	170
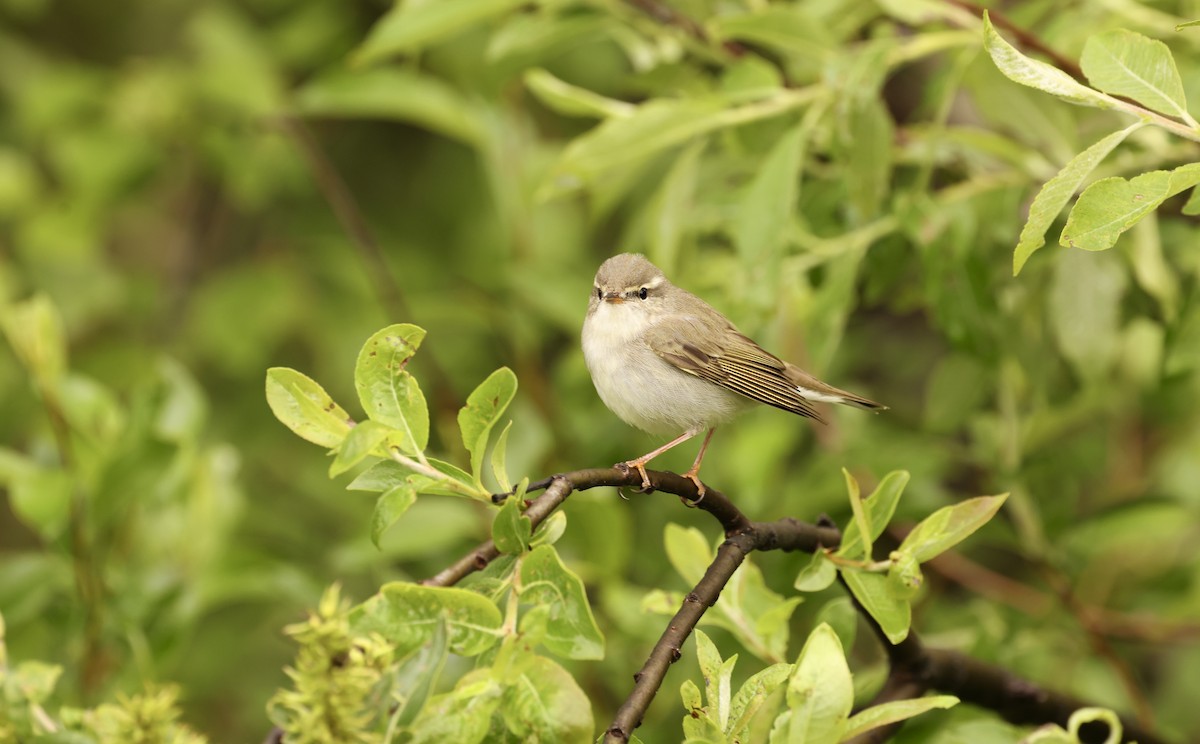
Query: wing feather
712	349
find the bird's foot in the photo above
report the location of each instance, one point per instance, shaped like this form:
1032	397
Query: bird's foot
700	490
640	466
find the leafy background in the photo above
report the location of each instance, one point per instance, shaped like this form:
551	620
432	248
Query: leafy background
846	180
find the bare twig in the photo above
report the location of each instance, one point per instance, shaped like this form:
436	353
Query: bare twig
349	215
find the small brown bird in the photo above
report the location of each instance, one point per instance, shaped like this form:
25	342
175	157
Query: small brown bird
667	363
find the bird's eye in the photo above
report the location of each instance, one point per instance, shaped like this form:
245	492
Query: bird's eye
643	293
599	293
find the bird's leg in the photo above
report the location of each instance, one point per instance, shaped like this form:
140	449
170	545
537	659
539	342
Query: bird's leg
692	471
639	463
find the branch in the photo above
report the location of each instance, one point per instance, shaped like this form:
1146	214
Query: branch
784	534
913	668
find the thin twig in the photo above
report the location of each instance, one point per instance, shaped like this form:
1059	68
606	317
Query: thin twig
349	215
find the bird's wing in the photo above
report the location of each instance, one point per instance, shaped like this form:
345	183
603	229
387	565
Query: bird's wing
712	349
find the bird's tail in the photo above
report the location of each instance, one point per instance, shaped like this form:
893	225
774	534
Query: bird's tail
813	389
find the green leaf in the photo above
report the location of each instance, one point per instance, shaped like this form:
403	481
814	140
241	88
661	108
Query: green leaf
688	551
390	506
35	331
873	590
1085	304
410	26
1034	74
304	407
406	614
360	443
868	156
698	723
550	530
787	28
878	508
769	202
545	704
897	710
949	526
717	677
656	125
1125	63
41	498
619	141
572	631
380	477
420	674
861	520
1056	192
511	529
1111	206
500	460
670	213
752	695
485	405
571	100
904	575
393	94
388	393
463	715
841	615
820	692
818	575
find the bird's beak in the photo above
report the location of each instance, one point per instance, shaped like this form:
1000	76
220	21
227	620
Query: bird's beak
613	297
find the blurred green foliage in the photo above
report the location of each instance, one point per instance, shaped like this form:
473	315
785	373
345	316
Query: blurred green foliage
846	180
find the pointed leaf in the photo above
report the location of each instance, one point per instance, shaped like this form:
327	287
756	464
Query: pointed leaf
949	526
768	203
820	692
878	508
304	407
511	529
484	407
35	331
897	710
752	695
388	393
362	440
571	100
688	551
1035	74
500	460
1111	206
421	673
572	631
1125	63
550	530
393	94
1056	192
545	704
818	575
463	715
390	506
893	614
406	614
410	26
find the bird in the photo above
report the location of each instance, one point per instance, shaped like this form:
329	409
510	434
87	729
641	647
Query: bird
668	363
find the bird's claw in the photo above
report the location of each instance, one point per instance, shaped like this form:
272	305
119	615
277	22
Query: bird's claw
625	467
700	491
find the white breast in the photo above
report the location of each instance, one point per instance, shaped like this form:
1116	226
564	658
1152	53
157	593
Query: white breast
639	386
